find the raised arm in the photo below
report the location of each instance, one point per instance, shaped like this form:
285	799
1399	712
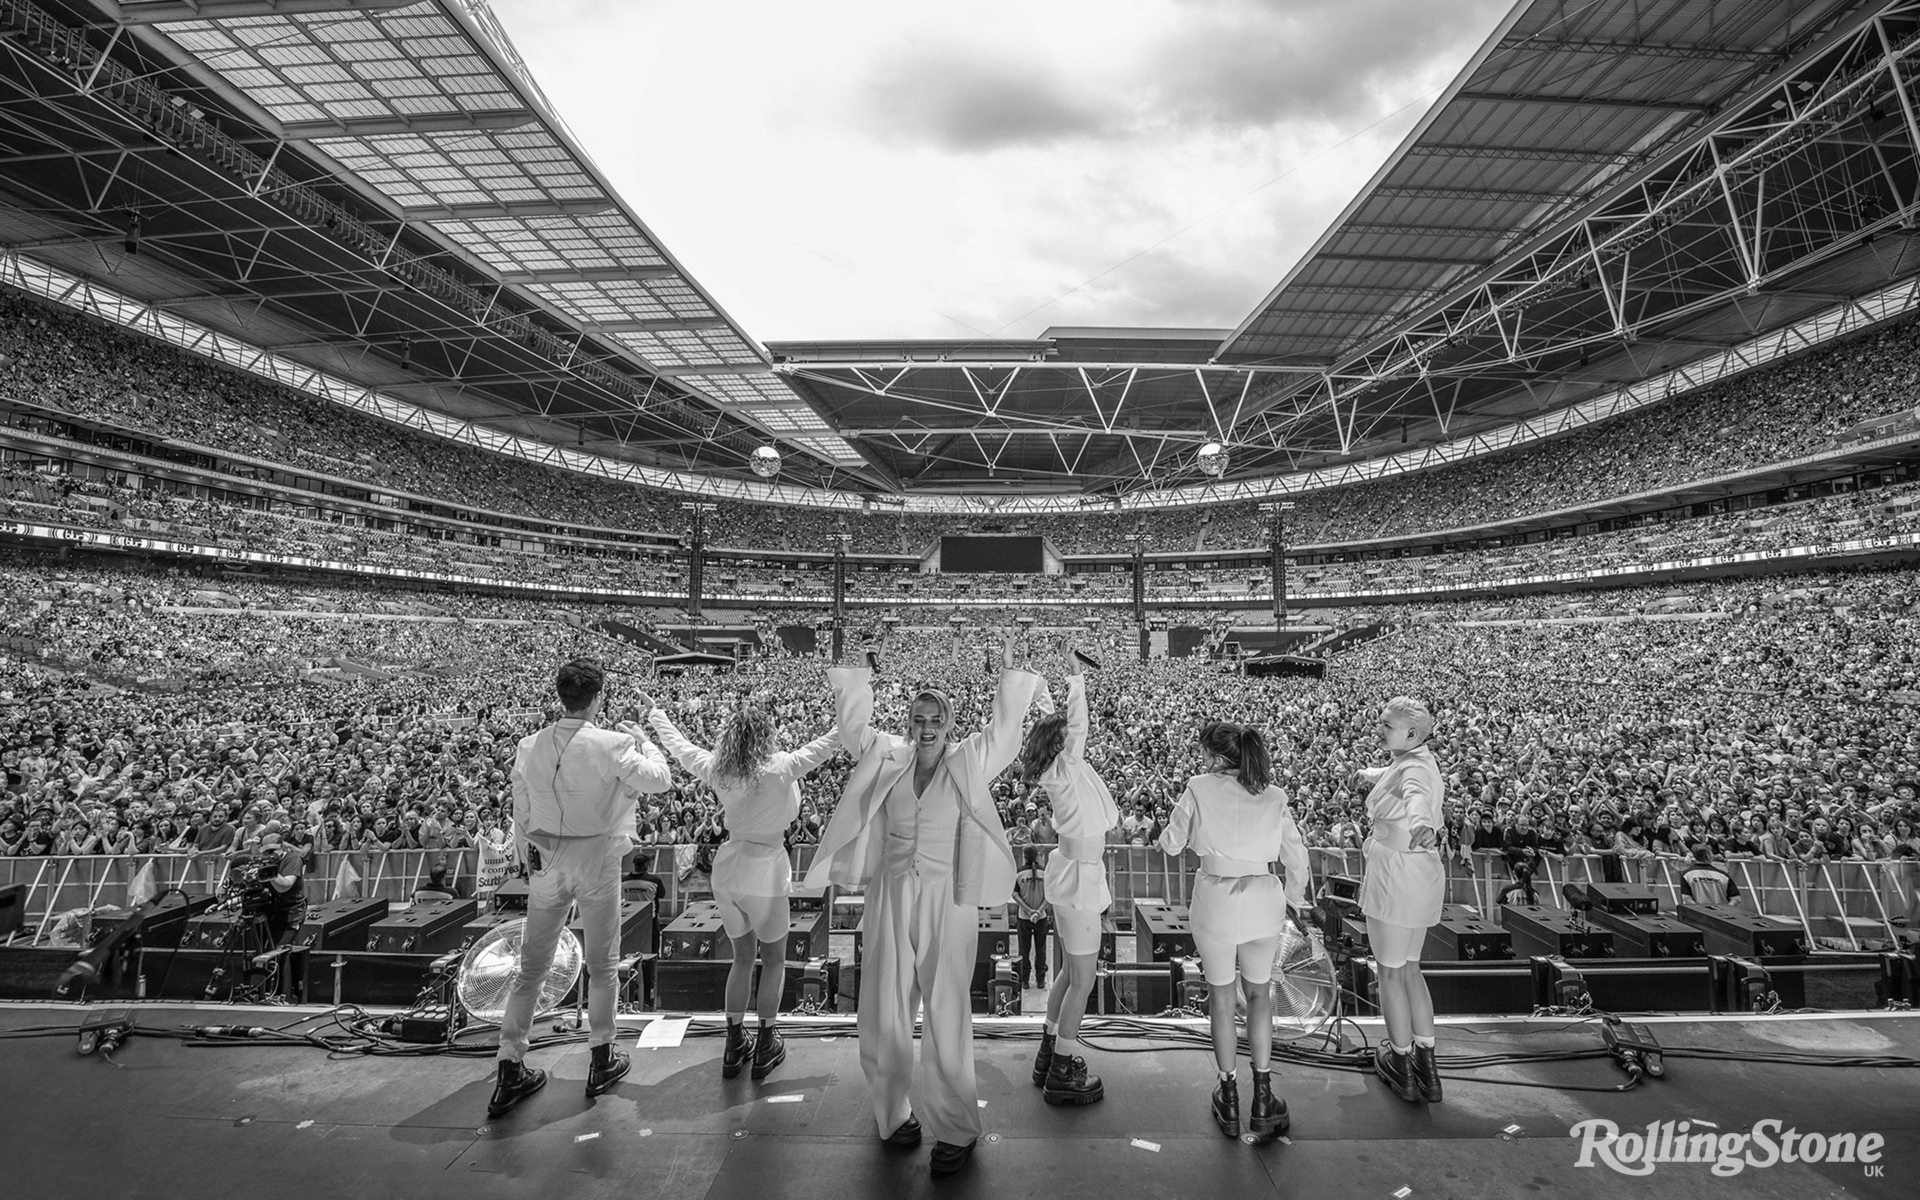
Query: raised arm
798	764
688	755
1076	744
1173	839
853	707
1000	740
640	765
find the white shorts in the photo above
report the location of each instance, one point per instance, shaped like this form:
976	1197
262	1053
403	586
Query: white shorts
1078	929
1253	960
765	917
1394	945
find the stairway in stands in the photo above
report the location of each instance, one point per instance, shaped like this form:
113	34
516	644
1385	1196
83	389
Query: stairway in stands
634	635
1346	639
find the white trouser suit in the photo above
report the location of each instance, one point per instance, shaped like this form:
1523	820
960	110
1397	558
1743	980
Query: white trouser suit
929	862
574	786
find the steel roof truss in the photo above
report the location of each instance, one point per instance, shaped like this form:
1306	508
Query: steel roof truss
1738	155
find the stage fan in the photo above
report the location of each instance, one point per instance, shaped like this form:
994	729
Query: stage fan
488	971
1305	992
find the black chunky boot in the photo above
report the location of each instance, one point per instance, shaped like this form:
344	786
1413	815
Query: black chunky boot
1043	1060
768	1052
1396	1070
1069	1083
1426	1073
1268	1118
738	1050
609	1065
1226	1106
514	1083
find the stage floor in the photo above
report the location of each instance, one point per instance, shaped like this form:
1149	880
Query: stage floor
173	1120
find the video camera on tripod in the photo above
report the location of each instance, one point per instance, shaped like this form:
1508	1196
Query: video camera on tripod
248	886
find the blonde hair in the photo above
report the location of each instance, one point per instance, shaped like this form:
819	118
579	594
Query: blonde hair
1415	712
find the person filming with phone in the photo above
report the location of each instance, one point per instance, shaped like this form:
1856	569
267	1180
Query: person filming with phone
574	787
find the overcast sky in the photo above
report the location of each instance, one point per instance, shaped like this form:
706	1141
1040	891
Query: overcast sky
951	169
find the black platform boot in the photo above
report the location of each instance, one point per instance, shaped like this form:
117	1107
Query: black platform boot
1043	1060
768	1052
1396	1070
609	1065
514	1083
1226	1106
738	1049
1268	1118
1069	1083
1426	1073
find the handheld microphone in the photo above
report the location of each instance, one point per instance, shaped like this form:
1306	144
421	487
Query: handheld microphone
213	983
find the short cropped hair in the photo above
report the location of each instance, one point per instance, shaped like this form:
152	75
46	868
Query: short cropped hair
1414	712
934	696
579	682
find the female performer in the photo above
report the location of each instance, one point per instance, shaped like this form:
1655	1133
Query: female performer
1238	821
917	828
752	878
1076	884
1401	893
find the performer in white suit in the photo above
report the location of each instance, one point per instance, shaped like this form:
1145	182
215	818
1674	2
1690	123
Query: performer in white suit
917	828
1076	884
1238	821
1401	893
574	787
752	878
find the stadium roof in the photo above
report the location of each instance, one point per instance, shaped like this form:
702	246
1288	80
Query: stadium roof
1614	200
1609	194
383	191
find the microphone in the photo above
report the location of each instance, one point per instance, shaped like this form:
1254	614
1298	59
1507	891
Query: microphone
213	983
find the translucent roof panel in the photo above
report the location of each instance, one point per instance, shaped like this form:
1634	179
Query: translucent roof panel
348	65
493	166
555	243
690	347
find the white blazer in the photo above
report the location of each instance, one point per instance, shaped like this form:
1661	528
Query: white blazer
850	854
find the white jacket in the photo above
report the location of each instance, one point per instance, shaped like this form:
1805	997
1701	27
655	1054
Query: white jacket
850	852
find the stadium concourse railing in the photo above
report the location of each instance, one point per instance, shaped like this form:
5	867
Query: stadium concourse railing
1837	904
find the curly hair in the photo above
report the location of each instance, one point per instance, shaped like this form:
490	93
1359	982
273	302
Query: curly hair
1044	742
747	741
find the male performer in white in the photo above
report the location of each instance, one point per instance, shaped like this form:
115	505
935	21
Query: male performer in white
574	786
917	827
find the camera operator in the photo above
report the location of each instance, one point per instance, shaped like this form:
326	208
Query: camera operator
286	896
574	786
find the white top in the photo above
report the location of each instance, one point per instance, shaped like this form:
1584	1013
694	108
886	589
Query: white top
1083	807
1405	796
1218	819
762	809
923	830
575	779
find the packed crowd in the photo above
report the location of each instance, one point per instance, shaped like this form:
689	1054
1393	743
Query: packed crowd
73	364
1777	719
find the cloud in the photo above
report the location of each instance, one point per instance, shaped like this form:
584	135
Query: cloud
1251	63
962	101
876	169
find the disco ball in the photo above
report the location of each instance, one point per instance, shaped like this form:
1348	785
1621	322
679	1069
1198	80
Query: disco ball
1213	459
766	462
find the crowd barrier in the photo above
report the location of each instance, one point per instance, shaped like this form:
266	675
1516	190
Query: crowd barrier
1838	902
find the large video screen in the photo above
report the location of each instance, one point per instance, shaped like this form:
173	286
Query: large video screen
984	555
